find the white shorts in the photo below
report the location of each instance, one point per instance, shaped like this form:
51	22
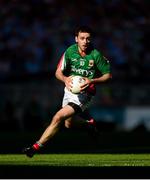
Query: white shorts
83	100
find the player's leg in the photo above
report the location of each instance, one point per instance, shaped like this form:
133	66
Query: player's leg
91	125
84	121
57	120
78	121
51	130
90	121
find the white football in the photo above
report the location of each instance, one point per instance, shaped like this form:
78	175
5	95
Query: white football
77	81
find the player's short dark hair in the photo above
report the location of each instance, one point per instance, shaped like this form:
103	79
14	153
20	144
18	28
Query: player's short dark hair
83	28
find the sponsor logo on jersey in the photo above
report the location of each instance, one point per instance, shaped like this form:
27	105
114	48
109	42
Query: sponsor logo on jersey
82	71
74	59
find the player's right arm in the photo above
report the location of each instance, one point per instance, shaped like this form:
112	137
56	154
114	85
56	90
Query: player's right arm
59	72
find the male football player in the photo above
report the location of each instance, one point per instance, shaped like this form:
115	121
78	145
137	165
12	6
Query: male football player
81	59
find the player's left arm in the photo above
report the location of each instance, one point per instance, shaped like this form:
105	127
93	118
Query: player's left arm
103	66
103	78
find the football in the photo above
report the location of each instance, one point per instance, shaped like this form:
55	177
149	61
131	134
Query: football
77	81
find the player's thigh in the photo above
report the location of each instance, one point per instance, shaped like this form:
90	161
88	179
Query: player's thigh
86	115
66	112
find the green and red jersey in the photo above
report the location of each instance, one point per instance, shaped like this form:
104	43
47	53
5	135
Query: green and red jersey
92	65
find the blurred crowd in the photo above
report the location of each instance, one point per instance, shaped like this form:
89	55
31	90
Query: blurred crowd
34	34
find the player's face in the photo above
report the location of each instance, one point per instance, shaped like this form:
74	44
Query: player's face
83	40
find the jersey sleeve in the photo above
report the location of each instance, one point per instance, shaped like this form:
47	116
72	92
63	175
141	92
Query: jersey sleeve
63	63
103	64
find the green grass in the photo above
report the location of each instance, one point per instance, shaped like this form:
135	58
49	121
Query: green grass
76	160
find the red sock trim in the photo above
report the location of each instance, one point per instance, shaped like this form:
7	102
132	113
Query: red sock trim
36	146
91	122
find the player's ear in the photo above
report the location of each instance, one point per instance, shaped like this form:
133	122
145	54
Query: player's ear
76	39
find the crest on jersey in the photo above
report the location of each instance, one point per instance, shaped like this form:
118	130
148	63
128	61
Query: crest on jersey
91	63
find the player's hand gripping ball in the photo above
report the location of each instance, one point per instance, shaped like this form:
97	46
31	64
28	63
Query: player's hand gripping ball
76	83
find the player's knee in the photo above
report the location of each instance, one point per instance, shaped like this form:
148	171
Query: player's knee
59	117
68	124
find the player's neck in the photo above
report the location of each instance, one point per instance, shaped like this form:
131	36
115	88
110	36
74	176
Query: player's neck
82	53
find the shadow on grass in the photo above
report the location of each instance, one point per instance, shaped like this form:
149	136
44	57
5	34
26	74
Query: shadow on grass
51	172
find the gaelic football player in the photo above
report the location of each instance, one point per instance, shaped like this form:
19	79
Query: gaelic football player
81	59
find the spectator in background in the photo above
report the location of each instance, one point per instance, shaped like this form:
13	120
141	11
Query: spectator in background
23	27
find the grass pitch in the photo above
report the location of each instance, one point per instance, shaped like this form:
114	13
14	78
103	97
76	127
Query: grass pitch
76	160
75	166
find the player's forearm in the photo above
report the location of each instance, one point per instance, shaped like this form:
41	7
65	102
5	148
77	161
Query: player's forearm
60	76
103	78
